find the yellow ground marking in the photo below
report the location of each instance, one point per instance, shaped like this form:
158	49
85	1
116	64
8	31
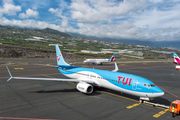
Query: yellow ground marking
129	99
123	64
19	68
160	113
134	105
144	63
84	66
48	76
72	83
48	64
119	96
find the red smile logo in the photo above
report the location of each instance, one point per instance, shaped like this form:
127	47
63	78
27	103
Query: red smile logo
58	57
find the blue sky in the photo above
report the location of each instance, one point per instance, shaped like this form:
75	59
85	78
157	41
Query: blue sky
147	20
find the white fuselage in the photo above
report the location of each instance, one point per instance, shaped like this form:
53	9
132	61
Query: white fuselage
96	61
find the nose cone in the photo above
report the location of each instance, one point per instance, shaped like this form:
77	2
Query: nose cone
161	94
157	92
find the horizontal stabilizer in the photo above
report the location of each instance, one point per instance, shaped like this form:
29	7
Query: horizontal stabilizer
47	65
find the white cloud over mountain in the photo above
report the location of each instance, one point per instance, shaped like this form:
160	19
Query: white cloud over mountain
153	20
29	13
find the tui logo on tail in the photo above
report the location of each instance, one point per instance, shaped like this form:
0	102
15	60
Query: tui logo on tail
58	57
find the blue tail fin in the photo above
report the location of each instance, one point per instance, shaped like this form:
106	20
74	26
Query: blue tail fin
60	59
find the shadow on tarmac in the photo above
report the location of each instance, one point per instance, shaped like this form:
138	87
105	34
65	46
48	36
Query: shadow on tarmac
65	90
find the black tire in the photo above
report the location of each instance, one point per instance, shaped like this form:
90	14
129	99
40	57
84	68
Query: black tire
141	101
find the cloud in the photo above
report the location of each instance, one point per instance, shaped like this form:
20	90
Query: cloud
121	30
128	19
34	24
29	13
102	10
155	1
159	23
57	11
9	8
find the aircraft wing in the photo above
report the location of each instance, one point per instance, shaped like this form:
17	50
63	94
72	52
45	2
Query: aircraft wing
50	79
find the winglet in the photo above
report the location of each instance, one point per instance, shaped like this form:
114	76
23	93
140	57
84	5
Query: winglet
9	74
116	67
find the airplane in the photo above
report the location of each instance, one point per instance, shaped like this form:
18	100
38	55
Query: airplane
88	78
176	59
100	61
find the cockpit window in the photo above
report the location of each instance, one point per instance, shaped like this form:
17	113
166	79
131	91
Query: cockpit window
149	85
152	85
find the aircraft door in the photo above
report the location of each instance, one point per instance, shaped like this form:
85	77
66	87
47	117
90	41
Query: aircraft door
134	85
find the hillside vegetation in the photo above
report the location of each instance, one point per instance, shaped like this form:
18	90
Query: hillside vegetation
16	42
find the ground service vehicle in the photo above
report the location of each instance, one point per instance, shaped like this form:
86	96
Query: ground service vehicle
175	107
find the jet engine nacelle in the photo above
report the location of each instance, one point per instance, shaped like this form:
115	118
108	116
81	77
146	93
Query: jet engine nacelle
85	88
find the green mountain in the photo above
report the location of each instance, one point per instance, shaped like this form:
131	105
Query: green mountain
51	31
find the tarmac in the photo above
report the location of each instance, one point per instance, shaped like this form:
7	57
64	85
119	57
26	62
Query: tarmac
51	100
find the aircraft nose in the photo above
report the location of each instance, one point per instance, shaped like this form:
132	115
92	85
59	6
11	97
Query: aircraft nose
158	91
161	94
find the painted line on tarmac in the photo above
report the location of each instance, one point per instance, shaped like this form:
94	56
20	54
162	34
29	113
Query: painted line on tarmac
134	105
47	76
168	92
72	83
19	68
84	66
160	113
